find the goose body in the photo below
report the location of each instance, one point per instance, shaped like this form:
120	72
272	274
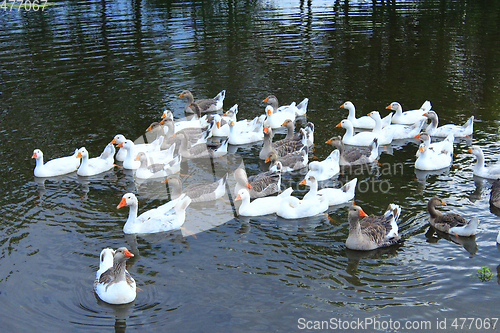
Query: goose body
260	185
446	145
56	167
385	135
372	231
450	223
169	216
275	118
355	155
359	139
401	132
408	117
115	285
443	131
202	150
157	170
291	162
245	136
294	208
260	206
96	165
364	122
299	109
198	192
326	169
495	194
205	105
337	196
490	172
430	159
145	147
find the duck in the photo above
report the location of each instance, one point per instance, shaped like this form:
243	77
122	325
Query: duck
275	118
299	110
202	150
408	117
156	170
56	167
282	147
261	185
198	192
169	216
385	135
294	161
359	139
495	193
205	105
490	172
244	137
293	208
443	131
96	165
260	206
450	223
115	285
337	196
372	231
355	155
364	122
429	159
445	145
326	169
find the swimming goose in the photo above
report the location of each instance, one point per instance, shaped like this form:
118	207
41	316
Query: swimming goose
355	155
408	117
495	194
326	169
115	285
443	131
402	132
145	147
275	118
430	159
372	231
445	145
294	208
294	161
105	262
337	196
260	185
359	139
130	148
490	172
243	137
199	192
282	147
385	135
260	206
298	110
309	129
245	125
96	165
364	122
450	223
202	150
169	216
156	170
205	105
56	167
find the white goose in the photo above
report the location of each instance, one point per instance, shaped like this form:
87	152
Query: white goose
408	117
56	167
385	135
156	170
294	208
169	216
96	165
115	285
326	169
130	148
359	139
337	196
299	110
429	159
244	137
145	147
105	262
260	206
276	118
364	122
445	145
443	131
490	172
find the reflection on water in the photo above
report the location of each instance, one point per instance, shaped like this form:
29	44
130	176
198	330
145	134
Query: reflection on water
77	74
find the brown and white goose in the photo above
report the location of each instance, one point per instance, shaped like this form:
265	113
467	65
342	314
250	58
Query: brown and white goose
372	231
450	223
206	105
198	192
260	185
290	162
115	285
282	147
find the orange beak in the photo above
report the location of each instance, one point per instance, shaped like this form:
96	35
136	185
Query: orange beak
417	136
136	158
122	203
303	182
443	203
362	213
225	114
420	149
180	96
248	185
218	124
469	150
284	123
267	159
149	128
388	107
238	197
128	254
425	114
165	180
266	130
163	116
268	112
265	100
113	141
120	144
232	123
329	141
34	155
339	124
342	106
78	155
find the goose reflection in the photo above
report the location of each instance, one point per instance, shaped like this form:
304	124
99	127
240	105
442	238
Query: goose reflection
469	243
423	175
355	256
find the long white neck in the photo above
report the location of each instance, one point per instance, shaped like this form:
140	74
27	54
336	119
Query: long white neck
39	162
479	166
399	111
313	191
432	126
349	131
378	123
352	113
131	220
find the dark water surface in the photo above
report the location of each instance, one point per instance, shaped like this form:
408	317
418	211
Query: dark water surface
80	72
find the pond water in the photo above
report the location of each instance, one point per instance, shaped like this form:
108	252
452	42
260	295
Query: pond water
81	72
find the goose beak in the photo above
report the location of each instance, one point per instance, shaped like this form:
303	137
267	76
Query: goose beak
218	124
420	149
122	203
469	150
78	155
329	141
342	106
265	130
388	107
113	141
267	159
162	122
443	203
417	136
268	112
362	213
149	128
232	123
339	124
128	254
248	185
265	100
165	180
136	158
34	155
284	123
303	182
425	114
238	197
120	144
163	116
180	96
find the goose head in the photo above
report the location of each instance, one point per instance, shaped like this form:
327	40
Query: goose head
128	199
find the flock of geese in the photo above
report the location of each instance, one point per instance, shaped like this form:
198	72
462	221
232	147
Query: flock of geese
207	136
